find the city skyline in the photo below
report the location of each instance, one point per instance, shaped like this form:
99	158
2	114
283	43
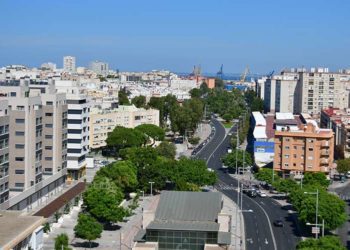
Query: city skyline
142	36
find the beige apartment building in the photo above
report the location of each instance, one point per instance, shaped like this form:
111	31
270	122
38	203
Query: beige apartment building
104	121
309	149
37	141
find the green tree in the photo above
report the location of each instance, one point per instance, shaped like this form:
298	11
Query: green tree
323	243
343	166
285	185
102	200
122	137
227	117
265	174
158	103
87	228
123	97
122	173
195	93
229	160
152	131
61	242
316	179
166	149
204	88
139	101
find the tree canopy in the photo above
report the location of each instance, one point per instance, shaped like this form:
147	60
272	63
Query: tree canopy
139	101
343	165
152	131
323	243
166	149
87	228
123	97
61	242
253	101
122	137
102	200
229	160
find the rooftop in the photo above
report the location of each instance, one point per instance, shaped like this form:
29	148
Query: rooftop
14	227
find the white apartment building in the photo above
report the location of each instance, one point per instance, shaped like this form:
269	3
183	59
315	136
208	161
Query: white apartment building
104	121
278	93
100	68
78	106
318	89
69	64
303	91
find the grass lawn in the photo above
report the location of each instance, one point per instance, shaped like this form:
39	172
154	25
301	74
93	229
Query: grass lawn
227	124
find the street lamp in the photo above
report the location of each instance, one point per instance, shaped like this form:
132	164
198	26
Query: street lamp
237	144
316	224
151	182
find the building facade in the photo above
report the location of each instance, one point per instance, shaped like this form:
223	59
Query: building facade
309	149
100	68
37	141
103	122
69	64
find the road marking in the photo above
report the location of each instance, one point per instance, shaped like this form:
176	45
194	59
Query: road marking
218	144
262	202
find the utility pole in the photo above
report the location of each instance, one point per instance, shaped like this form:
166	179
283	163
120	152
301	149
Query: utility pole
151	182
316	219
237	144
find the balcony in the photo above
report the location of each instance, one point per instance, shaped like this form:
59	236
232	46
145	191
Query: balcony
324	152
324	161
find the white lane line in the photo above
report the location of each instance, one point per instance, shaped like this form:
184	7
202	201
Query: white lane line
217	145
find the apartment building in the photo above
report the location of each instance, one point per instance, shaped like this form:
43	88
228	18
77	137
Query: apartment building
104	121
69	64
100	68
308	149
4	151
318	89
37	141
305	91
278	93
78	106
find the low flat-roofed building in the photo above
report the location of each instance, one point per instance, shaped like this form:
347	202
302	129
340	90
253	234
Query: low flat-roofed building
19	231
186	220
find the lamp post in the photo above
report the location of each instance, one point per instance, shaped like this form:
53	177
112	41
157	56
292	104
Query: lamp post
320	225
237	144
151	182
316	219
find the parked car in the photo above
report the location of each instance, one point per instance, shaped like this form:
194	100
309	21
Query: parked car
261	193
278	223
252	193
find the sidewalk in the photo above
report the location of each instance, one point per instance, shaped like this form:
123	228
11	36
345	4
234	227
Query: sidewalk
121	236
203	132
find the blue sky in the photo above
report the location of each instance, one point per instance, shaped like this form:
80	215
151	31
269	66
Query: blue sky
144	35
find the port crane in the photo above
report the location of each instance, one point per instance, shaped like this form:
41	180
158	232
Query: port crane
244	75
220	73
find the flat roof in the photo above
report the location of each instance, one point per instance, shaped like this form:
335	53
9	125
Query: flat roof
188	206
260	132
284	116
259	119
184	226
15	227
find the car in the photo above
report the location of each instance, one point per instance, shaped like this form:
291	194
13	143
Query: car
278	223
252	193
261	193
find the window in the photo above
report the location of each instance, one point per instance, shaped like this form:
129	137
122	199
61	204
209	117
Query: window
294	156
48	147
74	121
48	125
48	170
74	141
286	156
295	147
19	159
74	131
19	133
74	151
311	149
287	139
48	136
13	94
19	121
74	111
286	164
48	114
286	147
48	158
19	184
19	146
310	158
19	171
49	103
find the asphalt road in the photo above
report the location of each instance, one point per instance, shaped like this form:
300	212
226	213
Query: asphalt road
260	234
344	230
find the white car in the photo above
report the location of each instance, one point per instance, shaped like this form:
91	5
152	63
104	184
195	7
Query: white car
262	193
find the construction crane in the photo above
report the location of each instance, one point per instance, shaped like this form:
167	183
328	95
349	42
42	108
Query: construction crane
220	73
269	75
244	74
